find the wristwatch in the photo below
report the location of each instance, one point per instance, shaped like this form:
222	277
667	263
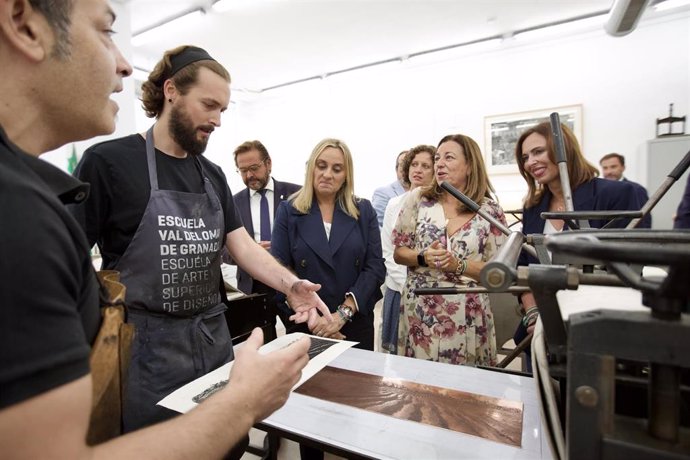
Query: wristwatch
420	259
345	312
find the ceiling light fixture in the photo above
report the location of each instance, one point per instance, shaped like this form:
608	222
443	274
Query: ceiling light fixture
562	28
455	51
624	16
163	29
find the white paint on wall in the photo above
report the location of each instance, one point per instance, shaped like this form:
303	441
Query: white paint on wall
623	85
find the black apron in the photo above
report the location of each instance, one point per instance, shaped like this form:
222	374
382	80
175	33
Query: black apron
172	272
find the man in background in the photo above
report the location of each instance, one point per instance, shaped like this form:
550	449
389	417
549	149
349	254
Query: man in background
383	194
257	205
60	68
612	168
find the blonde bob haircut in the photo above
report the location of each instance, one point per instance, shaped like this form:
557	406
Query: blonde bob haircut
345	197
478	183
579	169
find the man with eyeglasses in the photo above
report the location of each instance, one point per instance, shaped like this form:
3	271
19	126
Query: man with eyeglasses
257	204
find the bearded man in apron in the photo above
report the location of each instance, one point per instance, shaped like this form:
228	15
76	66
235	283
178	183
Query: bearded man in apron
160	214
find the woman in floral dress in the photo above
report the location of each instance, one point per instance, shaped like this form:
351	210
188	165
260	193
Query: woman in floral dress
444	244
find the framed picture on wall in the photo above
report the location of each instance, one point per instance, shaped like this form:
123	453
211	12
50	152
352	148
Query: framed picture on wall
501	133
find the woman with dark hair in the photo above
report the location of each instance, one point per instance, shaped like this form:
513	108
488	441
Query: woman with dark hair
536	161
444	244
418	170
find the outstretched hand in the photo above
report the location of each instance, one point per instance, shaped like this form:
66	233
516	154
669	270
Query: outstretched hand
265	381
302	298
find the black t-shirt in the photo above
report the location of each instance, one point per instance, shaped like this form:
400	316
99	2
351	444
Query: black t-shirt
120	191
49	312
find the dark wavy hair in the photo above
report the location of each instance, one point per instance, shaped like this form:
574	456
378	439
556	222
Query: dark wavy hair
152	97
411	154
579	169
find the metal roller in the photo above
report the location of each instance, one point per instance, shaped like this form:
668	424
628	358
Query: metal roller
500	273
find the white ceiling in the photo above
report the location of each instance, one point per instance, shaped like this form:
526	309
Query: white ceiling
270	42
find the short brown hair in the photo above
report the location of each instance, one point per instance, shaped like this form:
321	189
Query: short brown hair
608	156
152	96
58	14
251	145
579	169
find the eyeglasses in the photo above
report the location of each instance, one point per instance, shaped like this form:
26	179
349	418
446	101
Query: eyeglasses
253	168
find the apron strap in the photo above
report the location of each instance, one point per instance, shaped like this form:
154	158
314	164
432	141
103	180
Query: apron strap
153	172
208	187
151	159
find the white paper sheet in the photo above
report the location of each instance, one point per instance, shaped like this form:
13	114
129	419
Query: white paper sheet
181	400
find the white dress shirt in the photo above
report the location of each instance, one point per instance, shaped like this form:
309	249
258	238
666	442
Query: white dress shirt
395	274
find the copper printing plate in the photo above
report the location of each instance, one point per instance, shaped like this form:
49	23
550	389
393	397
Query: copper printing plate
495	419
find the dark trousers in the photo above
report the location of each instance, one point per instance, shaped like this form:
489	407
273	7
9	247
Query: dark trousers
310	453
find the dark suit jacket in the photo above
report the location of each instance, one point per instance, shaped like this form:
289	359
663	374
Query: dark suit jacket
350	261
595	195
282	190
683	213
642	197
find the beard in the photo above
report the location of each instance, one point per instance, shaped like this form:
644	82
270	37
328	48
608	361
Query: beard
258	182
184	133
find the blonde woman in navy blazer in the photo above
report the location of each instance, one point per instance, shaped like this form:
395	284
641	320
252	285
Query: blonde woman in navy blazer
326	234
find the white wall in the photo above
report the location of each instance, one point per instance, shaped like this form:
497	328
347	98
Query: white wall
623	85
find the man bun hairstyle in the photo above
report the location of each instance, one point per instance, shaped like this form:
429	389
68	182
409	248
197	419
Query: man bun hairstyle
181	65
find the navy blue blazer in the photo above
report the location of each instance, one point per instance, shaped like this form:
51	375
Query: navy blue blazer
683	213
350	261
595	195
281	192
642	197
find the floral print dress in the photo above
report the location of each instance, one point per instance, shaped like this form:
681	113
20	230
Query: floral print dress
455	329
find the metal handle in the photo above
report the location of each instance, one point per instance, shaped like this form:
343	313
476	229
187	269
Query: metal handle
499	273
474	207
561	159
681	167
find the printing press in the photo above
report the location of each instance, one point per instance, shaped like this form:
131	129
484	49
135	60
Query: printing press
611	350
